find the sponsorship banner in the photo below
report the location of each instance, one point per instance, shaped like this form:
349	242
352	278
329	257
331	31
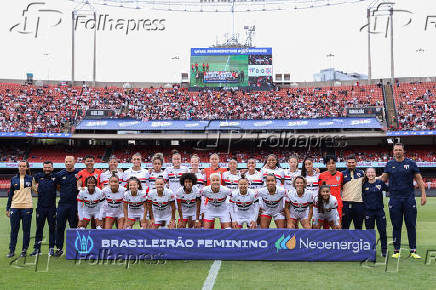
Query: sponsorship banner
96	114
221	77
260	70
218	125
39	165
198	244
412	133
365	112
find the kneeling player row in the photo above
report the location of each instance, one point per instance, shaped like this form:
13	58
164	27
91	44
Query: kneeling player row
199	208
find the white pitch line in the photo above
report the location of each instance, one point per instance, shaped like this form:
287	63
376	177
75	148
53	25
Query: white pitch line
213	273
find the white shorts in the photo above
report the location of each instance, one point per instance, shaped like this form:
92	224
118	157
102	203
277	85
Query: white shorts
162	221
244	220
330	217
114	212
210	217
299	215
88	213
276	215
134	216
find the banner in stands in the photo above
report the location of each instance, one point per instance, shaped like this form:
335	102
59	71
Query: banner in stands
39	165
412	133
230	51
35	135
290	124
198	244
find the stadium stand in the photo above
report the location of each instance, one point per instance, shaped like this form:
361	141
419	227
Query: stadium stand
416	105
56	109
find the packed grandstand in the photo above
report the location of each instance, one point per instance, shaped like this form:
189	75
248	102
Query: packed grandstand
54	109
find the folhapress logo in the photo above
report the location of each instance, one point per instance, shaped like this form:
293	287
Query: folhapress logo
35	16
285	243
83	244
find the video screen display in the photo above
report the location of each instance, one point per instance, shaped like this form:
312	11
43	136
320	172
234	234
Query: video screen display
231	67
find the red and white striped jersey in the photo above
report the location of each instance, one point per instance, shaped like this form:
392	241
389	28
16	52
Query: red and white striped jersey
215	201
289	178
106	175
255	180
141	174
278	172
231	180
172	175
151	178
299	203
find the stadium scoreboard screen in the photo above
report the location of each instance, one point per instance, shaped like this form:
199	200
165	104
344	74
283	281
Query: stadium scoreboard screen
231	67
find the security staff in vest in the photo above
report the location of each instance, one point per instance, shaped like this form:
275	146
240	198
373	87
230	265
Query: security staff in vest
19	207
46	207
67	206
400	173
353	209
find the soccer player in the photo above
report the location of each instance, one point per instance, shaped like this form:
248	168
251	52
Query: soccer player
272	165
160	206
325	209
156	172
113	169
88	171
136	171
201	178
402	205
271	203
334	179
46	207
134	204
311	175
253	176
291	173
19	207
113	207
353	207
214	160
90	201
216	207
298	205
189	201
245	207
172	174
372	194
67	205
232	176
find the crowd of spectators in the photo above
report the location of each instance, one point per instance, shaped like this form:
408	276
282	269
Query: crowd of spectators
56	109
416	105
26	108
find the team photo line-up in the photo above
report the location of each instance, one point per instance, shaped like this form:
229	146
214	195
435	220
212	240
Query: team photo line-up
248	197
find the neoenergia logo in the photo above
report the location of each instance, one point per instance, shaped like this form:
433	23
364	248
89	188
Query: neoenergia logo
83	244
285	243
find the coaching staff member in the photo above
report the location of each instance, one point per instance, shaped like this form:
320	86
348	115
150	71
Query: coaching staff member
67	206
19	207
353	209
400	173
46	207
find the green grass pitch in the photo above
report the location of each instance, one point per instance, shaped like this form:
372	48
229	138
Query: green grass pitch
220	63
58	273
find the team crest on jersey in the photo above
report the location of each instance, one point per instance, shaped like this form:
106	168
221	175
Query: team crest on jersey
406	166
378	186
337	178
366	188
358	174
53	178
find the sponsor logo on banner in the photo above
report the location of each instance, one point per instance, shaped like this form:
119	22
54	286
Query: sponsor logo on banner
285	243
83	244
361	122
128	124
298	123
192	125
262	123
160	124
229	124
260	70
96	123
